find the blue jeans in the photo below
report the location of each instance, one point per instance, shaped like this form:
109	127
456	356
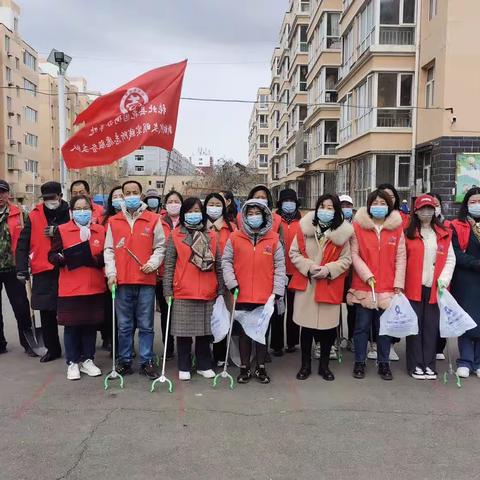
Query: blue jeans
363	324
79	343
135	302
469	349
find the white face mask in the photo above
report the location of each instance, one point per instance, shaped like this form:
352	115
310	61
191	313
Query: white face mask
52	204
438	211
214	212
173	209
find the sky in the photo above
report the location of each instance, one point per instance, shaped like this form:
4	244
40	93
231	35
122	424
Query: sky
229	44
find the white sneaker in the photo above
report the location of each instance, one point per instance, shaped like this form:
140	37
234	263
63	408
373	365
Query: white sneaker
477	371
430	374
73	372
333	353
220	364
393	354
463	372
440	356
90	368
184	375
372	352
418	374
316	351
206	373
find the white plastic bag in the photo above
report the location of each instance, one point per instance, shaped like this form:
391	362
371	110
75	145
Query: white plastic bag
454	320
220	322
255	323
399	319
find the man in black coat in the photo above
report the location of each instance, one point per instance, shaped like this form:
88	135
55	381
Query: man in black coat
44	219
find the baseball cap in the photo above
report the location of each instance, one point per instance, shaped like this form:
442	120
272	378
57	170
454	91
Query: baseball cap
345	198
424	201
50	189
4	186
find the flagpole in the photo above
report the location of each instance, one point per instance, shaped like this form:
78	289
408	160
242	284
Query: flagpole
61	129
166	174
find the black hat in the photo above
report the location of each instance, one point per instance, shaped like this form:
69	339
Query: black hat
4	186
287	194
50	189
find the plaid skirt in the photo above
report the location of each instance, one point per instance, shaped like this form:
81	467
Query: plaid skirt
191	318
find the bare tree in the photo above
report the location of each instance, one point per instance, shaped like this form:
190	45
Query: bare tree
233	176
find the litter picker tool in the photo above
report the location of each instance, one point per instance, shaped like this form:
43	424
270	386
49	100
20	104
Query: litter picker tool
224	373
134	257
450	371
113	375
162	378
34	336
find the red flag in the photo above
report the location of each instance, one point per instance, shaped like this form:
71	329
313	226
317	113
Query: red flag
141	112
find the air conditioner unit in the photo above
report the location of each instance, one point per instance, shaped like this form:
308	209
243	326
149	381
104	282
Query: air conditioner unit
12	143
9	55
10	84
11	114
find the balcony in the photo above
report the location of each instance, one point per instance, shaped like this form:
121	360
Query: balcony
331	96
394	118
397	35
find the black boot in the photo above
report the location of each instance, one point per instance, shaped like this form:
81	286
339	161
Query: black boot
305	370
323	369
384	371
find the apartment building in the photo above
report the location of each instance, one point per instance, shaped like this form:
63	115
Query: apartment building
19	108
258	137
392	98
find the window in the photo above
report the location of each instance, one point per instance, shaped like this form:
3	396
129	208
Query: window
139	168
304	6
30	114
347	58
366	28
394	169
263	121
365	106
343	179
30	88
19	119
394	99
397	19
263	161
303	39
390	12
159	183
346	118
363	180
8	74
29	60
139	158
31	166
432	8
9	132
263	101
331	79
430	88
263	140
7	43
31	140
9	104
10	161
330	137
303	78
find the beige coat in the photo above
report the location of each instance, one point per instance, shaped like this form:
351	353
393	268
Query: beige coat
307	312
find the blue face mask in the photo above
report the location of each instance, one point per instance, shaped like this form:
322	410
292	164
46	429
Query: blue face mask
117	203
193	218
474	210
132	202
82	217
254	221
153	202
347	212
289	207
325	216
378	211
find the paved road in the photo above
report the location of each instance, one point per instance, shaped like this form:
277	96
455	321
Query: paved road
54	429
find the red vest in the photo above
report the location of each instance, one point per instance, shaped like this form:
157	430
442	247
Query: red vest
39	244
223	235
379	255
15	225
189	282
139	241
415	252
97	213
289	231
276	220
82	280
167	230
254	266
326	290
405	219
463	230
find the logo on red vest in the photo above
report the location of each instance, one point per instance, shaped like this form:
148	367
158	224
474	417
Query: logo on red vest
146	231
96	242
268	250
392	240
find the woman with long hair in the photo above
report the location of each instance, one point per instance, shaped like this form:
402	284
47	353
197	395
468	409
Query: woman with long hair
430	264
379	258
321	256
466	279
231	204
193	276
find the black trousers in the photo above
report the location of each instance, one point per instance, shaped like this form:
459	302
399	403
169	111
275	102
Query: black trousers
202	353
326	339
48	319
350	320
17	297
422	348
164	317
277	339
